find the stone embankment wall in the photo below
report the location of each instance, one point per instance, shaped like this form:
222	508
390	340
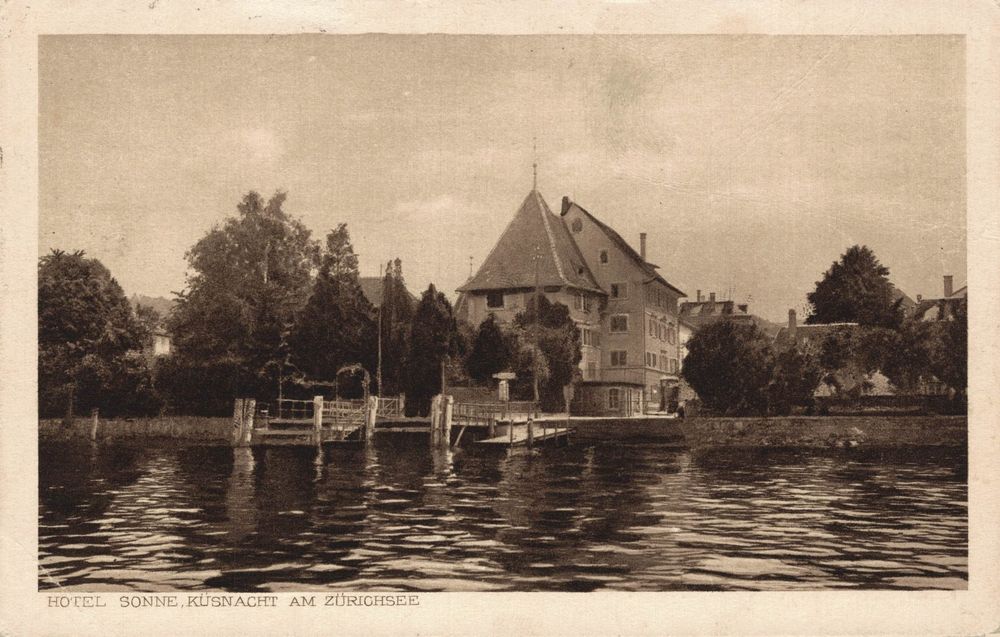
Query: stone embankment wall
196	428
817	432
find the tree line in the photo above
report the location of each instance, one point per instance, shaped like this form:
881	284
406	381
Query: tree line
268	311
735	369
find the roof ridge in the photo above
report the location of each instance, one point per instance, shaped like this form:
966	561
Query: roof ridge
542	207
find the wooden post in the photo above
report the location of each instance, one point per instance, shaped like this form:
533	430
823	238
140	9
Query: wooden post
402	405
435	419
449	406
371	417
510	430
531	432
238	418
93	423
318	418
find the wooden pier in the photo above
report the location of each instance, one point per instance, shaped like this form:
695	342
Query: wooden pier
319	421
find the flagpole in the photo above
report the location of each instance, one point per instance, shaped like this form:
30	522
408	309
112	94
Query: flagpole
378	371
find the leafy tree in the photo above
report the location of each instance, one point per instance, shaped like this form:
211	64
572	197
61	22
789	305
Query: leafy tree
550	326
855	289
858	352
434	339
396	313
337	326
949	349
248	279
88	340
148	320
490	353
796	375
730	366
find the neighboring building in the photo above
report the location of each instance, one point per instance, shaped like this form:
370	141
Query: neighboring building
704	311
943	308
371	287
627	313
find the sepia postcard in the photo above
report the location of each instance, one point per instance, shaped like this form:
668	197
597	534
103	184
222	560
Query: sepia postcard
593	318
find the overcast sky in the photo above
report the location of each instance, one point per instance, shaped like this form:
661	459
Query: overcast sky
752	162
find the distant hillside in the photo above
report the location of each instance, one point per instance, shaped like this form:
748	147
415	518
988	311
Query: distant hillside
161	305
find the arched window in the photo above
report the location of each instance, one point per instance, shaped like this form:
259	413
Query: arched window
604	257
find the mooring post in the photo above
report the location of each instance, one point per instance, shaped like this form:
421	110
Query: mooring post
94	421
246	428
318	418
371	417
449	406
531	432
238	417
402	404
435	419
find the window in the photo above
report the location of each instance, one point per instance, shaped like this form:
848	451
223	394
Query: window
619	323
614	398
577	225
586	303
604	257
663	360
619	290
588	337
671	334
591	371
673	365
494	300
619	358
652	327
577	301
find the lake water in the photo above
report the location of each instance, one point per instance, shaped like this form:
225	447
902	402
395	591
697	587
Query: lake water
397	516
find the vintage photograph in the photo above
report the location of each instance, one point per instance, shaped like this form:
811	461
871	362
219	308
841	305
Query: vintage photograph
518	313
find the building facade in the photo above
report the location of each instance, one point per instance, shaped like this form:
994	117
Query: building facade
627	313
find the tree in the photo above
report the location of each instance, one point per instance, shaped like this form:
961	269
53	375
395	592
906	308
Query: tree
557	338
857	352
337	325
795	378
395	315
730	366
490	353
248	279
433	339
855	289
89	340
949	349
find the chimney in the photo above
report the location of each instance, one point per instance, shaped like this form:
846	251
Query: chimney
699	296
711	297
792	324
947	285
920	297
565	204
642	245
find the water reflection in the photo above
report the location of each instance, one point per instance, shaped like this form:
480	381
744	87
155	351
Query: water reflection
398	515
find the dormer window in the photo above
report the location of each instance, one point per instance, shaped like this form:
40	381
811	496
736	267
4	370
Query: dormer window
494	300
604	257
577	225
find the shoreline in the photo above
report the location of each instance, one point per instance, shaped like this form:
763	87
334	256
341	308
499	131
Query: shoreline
805	432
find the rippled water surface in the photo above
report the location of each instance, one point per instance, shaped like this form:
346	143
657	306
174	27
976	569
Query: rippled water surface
395	516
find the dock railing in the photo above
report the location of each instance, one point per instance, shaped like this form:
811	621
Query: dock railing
391	406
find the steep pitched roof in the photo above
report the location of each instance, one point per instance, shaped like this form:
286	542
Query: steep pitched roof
623	245
371	287
533	230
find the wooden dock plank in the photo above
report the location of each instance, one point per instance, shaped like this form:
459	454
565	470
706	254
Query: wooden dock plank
521	437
